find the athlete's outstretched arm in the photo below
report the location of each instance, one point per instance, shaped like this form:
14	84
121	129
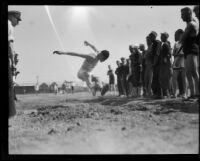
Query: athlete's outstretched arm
71	54
92	46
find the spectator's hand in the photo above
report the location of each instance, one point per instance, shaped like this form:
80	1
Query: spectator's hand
57	52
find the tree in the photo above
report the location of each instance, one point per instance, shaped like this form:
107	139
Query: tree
52	86
44	87
63	87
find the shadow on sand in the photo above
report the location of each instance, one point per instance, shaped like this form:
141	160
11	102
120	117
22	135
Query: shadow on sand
166	106
115	101
169	106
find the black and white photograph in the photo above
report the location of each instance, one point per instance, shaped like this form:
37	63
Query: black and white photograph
103	79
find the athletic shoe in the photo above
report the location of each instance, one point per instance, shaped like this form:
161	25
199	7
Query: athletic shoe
122	96
156	97
183	96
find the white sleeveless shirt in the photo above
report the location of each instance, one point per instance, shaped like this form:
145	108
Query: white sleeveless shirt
88	65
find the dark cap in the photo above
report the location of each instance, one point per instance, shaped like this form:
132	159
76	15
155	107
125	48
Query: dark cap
16	14
179	31
122	58
165	34
186	10
153	33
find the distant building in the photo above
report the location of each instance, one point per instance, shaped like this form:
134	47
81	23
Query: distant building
64	87
24	88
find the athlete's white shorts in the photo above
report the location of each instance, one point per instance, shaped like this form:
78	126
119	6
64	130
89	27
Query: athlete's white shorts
83	75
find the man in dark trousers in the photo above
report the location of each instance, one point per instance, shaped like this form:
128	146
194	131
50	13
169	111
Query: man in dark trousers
156	45
165	66
118	72
136	69
13	20
111	79
143	51
125	72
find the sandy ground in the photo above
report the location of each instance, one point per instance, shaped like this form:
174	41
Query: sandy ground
82	124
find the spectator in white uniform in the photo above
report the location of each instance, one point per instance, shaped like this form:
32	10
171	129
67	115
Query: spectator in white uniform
13	20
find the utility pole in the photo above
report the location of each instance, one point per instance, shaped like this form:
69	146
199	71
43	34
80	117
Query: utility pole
37	85
37	79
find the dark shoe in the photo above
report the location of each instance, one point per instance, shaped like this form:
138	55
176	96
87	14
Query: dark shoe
156	97
192	97
196	95
173	96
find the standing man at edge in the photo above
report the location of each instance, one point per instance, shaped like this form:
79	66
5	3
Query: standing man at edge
191	51
13	20
196	12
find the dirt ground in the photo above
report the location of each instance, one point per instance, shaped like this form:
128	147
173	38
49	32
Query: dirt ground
82	124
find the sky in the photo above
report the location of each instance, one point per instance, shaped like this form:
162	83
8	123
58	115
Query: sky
65	28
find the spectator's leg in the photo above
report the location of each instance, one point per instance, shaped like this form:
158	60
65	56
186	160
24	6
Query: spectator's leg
143	82
189	75
174	81
183	75
180	82
148	81
194	71
119	87
155	83
123	86
170	81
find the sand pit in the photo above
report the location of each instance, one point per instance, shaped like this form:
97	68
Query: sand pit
82	124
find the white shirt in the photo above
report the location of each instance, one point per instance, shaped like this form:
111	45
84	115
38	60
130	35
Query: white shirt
10	31
88	65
